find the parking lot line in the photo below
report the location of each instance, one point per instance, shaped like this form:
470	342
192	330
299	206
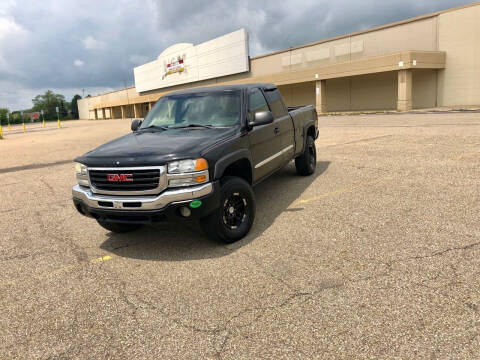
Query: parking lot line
101	259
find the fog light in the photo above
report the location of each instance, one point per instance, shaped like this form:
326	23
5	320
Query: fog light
185	211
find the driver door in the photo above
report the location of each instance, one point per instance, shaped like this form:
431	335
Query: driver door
265	140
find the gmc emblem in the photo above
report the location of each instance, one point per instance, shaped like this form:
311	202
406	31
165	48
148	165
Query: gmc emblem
119	177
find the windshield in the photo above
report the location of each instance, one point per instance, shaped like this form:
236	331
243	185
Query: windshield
217	109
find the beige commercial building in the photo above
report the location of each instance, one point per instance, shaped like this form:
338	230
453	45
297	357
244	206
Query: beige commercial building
425	62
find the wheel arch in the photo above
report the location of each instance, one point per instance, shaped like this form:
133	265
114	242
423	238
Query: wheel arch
237	163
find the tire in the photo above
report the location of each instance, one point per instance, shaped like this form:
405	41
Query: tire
118	228
234	217
307	162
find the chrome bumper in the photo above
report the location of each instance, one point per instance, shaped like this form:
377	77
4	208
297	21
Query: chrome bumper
136	203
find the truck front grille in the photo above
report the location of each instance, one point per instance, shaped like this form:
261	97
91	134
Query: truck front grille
125	180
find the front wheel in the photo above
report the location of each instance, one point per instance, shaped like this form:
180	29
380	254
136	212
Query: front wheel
118	228
234	217
307	162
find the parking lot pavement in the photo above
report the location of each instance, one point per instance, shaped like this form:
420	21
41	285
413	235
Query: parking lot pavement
375	255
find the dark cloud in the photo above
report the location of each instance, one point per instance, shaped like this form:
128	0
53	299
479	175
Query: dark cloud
68	46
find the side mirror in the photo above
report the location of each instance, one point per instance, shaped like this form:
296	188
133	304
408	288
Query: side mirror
262	118
136	125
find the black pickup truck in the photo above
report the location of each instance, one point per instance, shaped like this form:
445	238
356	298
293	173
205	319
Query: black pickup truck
196	156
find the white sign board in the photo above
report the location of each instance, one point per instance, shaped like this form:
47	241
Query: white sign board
184	63
56	109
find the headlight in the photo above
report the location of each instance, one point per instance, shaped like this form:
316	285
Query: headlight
187	172
80	169
187	166
82	174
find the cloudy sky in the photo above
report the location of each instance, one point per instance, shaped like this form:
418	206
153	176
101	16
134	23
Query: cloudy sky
68	46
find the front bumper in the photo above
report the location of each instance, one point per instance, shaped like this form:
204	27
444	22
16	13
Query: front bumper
147	209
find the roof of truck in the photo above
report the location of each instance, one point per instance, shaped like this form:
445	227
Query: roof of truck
223	88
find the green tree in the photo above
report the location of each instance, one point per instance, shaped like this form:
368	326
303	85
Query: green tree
48	102
3	116
61	108
74	106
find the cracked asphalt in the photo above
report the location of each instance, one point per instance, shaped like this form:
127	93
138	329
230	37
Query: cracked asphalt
375	256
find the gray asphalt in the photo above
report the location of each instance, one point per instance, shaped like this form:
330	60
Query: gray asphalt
374	256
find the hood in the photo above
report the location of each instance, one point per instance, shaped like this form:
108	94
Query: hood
145	148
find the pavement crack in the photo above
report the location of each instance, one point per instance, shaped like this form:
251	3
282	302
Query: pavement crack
222	346
438	253
52	191
7	211
472	306
15	257
266	272
175	320
125	299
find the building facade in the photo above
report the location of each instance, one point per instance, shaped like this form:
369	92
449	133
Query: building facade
424	62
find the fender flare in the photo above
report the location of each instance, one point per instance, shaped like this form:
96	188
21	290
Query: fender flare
229	159
307	126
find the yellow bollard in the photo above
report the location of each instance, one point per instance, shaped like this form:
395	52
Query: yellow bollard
43	123
23	126
59	125
1	132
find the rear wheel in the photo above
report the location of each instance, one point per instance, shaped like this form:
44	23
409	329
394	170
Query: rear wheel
118	228
234	217
307	162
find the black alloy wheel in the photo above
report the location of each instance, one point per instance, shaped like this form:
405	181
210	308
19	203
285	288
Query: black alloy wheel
307	162
233	219
234	211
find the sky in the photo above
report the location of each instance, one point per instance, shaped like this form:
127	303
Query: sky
68	46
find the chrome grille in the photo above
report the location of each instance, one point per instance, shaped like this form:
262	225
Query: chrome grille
123	181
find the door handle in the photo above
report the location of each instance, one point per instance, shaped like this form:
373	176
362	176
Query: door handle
276	130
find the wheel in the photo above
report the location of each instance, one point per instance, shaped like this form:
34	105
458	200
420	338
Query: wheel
307	162
118	228
234	217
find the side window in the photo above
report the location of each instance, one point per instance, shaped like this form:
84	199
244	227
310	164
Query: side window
257	102
276	103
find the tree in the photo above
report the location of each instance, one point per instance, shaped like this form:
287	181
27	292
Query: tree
3	116
62	111
74	106
47	102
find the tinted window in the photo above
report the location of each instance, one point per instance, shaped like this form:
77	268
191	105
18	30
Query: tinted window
276	103
257	103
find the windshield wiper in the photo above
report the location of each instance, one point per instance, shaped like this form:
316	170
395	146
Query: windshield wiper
155	127
191	126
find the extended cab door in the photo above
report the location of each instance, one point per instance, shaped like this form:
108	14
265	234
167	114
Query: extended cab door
265	140
283	121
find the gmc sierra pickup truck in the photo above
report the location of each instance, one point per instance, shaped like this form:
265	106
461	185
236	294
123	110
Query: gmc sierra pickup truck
196	155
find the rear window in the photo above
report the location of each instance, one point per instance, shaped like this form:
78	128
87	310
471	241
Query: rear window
276	104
